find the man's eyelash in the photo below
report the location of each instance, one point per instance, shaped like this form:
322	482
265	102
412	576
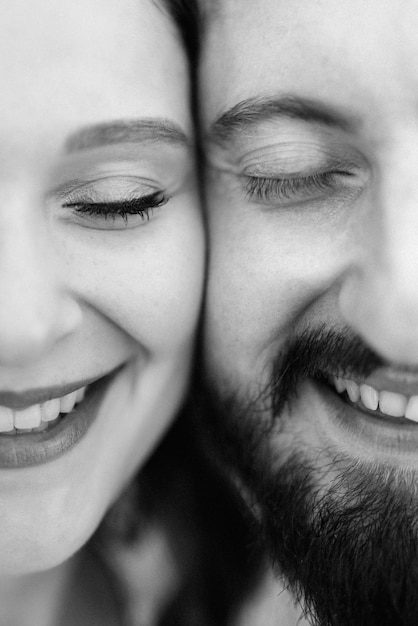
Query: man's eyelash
142	206
285	188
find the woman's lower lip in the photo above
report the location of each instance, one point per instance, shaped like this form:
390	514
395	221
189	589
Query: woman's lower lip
363	435
24	450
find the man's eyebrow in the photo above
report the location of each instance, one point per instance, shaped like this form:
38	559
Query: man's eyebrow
145	130
253	111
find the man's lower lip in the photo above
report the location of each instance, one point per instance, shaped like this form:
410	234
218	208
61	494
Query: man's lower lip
24	450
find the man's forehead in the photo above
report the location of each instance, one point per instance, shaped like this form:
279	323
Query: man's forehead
335	51
291	13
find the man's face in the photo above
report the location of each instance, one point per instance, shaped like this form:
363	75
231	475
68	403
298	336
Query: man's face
310	114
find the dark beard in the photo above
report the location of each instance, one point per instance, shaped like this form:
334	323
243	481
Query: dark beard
347	552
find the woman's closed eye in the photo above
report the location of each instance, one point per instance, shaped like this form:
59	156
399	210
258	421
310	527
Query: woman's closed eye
112	203
120	213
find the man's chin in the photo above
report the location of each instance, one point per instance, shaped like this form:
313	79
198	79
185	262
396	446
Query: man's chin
348	551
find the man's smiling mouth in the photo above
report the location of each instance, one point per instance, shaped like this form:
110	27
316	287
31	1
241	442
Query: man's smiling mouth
350	398
361	421
380	403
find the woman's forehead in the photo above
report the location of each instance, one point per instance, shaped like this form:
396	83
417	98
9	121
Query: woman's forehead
68	65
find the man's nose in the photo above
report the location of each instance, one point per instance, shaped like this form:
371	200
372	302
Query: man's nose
36	311
379	296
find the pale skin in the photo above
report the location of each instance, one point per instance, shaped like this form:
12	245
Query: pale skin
86	295
345	259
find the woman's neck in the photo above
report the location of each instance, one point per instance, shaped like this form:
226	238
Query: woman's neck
34	598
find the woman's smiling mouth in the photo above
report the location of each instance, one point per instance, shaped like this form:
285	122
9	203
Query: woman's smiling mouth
38	417
31	434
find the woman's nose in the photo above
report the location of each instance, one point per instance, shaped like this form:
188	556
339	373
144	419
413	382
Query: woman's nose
36	310
379	297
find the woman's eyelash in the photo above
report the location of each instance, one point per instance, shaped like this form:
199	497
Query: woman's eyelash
141	206
286	188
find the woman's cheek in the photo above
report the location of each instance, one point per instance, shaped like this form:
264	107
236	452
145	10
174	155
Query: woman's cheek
147	281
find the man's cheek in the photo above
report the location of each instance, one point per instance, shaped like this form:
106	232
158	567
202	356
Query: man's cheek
245	318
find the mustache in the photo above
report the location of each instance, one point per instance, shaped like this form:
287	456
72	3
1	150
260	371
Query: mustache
319	353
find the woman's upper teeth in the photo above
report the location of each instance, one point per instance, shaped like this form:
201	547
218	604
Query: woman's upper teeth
387	402
38	414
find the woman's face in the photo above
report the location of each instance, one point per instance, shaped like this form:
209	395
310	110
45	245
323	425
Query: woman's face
101	255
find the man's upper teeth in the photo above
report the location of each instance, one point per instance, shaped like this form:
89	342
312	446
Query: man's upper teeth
38	414
387	402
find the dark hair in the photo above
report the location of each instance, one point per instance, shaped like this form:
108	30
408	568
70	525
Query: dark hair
187	18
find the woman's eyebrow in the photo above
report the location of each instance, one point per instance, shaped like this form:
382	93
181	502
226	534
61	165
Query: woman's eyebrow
144	130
